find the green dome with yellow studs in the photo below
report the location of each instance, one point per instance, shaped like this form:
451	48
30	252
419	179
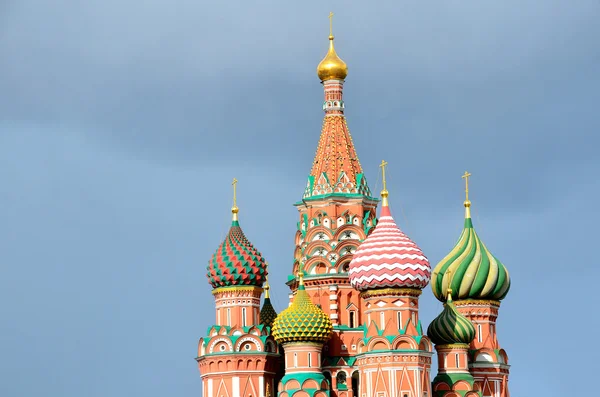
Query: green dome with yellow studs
302	321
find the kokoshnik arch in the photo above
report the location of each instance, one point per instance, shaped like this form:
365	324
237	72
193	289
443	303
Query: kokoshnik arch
352	328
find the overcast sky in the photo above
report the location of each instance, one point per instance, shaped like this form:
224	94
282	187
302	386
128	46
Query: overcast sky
122	124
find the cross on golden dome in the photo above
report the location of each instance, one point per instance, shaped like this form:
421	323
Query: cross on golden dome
332	67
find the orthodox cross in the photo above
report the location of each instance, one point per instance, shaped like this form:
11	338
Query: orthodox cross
466	176
331	23
382	166
234	183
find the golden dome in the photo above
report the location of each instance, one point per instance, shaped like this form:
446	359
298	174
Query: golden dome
332	67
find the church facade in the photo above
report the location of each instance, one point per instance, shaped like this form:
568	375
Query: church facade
352	327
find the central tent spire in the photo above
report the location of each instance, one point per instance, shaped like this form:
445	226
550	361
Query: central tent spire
336	169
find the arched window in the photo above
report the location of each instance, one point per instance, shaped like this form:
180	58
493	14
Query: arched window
340	381
355	384
352	319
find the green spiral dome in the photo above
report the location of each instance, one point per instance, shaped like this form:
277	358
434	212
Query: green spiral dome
470	270
302	321
450	326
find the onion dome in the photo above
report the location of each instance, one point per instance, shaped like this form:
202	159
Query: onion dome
236	261
267	313
470	270
450	326
302	321
388	258
332	67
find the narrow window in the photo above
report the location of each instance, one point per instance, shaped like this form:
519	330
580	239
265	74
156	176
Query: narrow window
309	360
243	316
229	316
414	319
400	320
352	319
295	360
457	360
382	319
479	337
219	316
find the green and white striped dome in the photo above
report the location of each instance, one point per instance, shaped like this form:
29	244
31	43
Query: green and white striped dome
451	327
470	270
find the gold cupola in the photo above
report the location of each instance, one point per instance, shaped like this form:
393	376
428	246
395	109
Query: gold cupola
332	67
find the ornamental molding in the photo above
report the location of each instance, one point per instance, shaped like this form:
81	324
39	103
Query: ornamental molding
218	340
477	302
452	346
391	292
256	343
237	290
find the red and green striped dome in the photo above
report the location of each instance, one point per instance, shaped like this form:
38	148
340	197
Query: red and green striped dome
236	261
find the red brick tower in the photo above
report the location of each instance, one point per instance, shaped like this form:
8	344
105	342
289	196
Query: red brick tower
479	282
336	214
390	270
238	356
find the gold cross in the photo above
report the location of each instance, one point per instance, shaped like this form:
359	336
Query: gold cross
234	183
382	166
466	176
331	23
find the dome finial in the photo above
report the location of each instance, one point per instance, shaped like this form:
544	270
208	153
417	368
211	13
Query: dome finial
266	286
332	67
384	192
301	279
467	203
234	209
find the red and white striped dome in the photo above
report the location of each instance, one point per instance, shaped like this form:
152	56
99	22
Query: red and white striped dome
388	258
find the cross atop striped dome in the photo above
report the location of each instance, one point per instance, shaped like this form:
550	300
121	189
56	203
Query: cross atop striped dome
388	258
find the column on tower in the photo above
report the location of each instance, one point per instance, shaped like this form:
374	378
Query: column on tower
390	270
238	356
302	329
452	332
479	282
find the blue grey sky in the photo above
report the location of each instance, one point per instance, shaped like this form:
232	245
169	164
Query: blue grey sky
122	124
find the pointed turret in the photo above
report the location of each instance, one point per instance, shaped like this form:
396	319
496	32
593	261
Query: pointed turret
336	169
267	313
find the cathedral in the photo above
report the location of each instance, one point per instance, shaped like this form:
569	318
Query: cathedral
352	327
